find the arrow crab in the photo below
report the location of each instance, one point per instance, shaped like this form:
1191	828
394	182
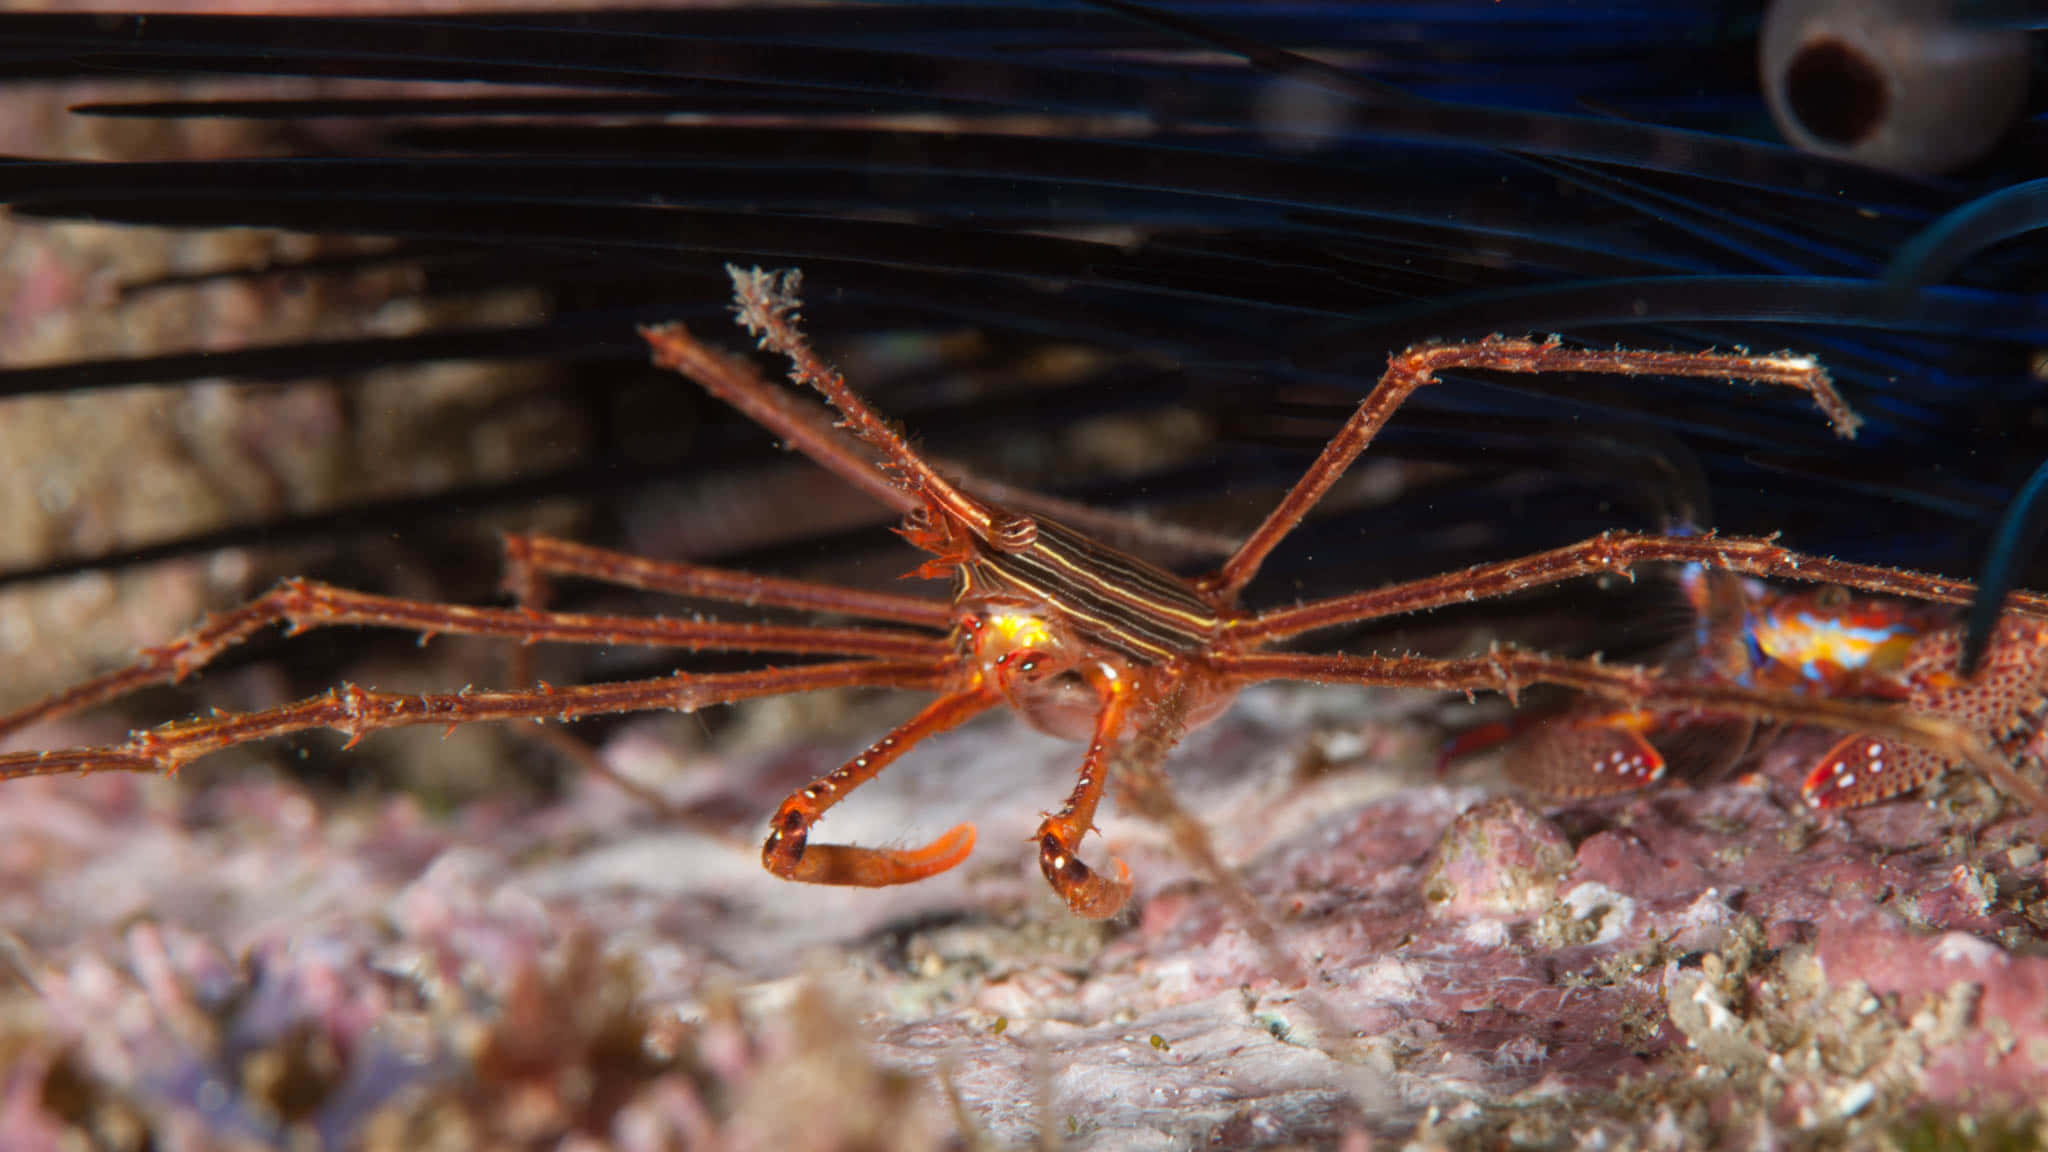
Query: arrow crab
1081	639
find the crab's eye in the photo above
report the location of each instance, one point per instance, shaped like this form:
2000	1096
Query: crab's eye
1014	533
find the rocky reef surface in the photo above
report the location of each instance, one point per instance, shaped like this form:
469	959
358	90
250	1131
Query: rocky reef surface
248	965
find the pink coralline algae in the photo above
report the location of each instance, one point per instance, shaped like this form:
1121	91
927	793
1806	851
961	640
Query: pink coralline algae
247	966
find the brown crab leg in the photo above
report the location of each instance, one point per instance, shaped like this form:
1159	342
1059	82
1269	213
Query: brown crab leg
1615	552
529	557
356	712
530	561
1418	366
304	605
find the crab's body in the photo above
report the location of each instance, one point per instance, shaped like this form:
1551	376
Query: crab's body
1059	622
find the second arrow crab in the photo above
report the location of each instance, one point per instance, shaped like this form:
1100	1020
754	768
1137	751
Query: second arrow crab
1079	638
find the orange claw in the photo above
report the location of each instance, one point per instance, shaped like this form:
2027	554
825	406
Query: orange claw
849	866
1086	891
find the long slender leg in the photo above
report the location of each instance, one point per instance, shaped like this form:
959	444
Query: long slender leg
1418	366
1059	837
164	664
309	605
1637	687
357	712
789	853
1613	552
527	558
525	580
304	605
531	559
320	606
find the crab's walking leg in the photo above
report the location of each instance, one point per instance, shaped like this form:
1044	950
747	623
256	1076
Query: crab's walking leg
304	605
1418	366
310	605
356	712
528	559
789	853
531	560
164	664
1059	837
1615	552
